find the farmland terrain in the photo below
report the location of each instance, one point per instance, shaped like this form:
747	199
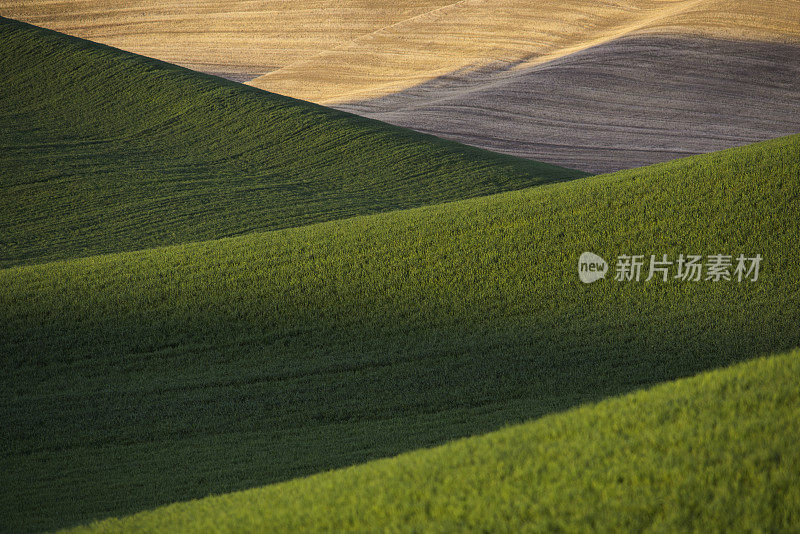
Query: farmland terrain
141	378
598	86
207	288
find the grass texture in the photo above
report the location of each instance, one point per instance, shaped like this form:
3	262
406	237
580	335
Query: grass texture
102	150
138	379
713	453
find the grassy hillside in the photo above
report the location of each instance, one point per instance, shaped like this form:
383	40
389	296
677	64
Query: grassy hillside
138	379
102	150
713	453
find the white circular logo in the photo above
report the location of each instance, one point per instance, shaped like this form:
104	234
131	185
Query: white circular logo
591	267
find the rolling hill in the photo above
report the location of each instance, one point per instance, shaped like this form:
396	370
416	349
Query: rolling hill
205	288
716	452
102	150
596	85
142	378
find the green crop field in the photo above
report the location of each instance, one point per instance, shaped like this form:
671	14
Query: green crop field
158	359
716	452
102	150
138	379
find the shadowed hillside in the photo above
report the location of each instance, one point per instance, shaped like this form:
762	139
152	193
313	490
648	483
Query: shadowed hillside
206	287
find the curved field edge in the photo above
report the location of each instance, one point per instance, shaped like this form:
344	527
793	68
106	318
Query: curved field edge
143	378
716	452
103	150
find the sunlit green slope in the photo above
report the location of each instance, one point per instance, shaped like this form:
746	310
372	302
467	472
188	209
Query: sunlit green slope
102	150
138	379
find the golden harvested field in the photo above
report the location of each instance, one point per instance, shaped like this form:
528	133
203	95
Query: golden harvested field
238	39
504	37
594	85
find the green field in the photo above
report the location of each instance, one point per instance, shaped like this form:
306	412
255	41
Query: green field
716	452
138	379
104	151
147	376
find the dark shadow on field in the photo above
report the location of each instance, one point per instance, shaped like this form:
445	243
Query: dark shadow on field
215	405
634	101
